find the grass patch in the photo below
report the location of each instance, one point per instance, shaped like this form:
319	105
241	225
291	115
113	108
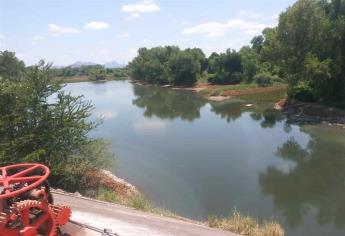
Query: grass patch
246	225
162	212
220	89
139	203
108	196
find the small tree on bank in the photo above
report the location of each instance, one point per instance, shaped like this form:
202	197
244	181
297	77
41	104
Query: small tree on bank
39	122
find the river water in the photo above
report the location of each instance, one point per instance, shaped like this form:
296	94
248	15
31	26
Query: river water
200	158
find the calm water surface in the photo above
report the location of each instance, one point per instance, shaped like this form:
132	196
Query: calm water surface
198	158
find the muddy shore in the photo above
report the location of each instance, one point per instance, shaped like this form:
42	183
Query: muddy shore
311	113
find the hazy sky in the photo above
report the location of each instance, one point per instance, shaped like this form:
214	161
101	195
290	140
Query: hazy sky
65	31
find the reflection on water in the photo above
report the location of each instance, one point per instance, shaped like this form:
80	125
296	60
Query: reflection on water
167	104
200	158
316	183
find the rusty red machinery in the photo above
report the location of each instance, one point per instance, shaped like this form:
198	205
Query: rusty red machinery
26	204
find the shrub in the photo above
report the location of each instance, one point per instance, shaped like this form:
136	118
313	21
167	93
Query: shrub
264	79
106	195
226	78
303	92
139	203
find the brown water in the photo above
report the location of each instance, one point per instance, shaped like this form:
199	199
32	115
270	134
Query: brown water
199	158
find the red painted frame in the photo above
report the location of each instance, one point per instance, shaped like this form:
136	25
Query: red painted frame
20	177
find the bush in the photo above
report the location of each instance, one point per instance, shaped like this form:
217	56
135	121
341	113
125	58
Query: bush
226	78
303	92
139	203
264	79
108	196
39	122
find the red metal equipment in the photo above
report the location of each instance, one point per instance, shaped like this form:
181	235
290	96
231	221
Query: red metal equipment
26	207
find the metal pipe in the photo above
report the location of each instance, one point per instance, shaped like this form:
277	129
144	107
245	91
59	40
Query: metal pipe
104	232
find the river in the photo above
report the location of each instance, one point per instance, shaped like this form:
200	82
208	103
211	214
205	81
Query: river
200	158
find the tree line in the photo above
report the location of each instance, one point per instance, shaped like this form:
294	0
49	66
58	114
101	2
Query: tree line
306	50
39	122
94	72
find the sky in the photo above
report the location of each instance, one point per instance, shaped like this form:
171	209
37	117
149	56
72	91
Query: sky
100	31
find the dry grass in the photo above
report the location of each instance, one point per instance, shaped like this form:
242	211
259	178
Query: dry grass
246	225
240	90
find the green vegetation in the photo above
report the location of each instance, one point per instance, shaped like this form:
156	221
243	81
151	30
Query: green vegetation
108	196
246	225
225	68
306	51
87	73
139	203
41	123
97	74
168	65
219	90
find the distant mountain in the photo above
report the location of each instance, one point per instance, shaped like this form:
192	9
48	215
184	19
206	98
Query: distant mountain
82	63
57	67
113	64
109	65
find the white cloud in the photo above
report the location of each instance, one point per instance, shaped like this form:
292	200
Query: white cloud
135	9
55	29
21	56
218	29
133	51
147	6
37	38
145	40
275	17
133	16
2	37
147	126
96	25
253	15
124	35
104	52
184	23
108	115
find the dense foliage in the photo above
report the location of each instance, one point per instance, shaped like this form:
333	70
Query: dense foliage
93	71
225	68
168	65
306	50
41	123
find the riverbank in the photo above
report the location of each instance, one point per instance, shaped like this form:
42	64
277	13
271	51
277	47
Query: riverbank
221	92
84	78
295	111
311	113
113	189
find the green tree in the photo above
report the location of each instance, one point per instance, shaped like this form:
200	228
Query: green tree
10	66
250	63
307	50
168	65
41	123
227	68
97	74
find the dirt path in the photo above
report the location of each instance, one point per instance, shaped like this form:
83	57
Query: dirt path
125	221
